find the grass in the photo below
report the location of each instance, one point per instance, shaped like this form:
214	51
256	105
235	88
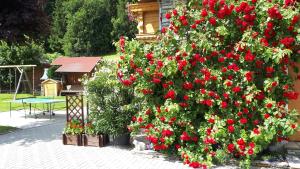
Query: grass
6	129
4	106
111	57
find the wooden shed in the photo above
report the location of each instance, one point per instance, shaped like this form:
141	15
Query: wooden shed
51	87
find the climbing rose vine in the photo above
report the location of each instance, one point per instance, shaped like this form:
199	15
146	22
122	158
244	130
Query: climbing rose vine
215	85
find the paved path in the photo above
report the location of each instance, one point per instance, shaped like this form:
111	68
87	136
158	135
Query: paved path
39	146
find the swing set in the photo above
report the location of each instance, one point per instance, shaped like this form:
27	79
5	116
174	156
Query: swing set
21	70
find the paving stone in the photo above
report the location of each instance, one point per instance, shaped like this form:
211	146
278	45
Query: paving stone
292	146
294	161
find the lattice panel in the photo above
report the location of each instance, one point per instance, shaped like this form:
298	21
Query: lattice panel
75	108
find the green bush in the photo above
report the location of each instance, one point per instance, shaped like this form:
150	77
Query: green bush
109	102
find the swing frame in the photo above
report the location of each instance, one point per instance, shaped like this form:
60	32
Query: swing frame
20	68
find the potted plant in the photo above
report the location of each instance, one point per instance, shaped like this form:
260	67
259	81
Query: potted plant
110	104
72	133
93	138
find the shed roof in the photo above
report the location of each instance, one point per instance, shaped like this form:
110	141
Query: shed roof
50	80
76	64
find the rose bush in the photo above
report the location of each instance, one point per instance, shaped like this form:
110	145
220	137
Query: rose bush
215	86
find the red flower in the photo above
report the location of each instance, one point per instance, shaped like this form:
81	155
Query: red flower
269	105
212	21
269	69
156	80
149	56
256	131
204	13
250	151
208	102
274	13
187	85
195	164
170	95
236	89
167	132
185	97
175	13
249	76
243	120
224	105
267	116
249	57
211	120
230	147
252	145
185	137
140	119
168	15
230	121
287	41
230	129
241	141
127	82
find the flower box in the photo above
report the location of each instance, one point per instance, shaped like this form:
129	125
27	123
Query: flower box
72	139
95	140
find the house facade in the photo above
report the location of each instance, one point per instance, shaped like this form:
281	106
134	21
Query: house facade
149	15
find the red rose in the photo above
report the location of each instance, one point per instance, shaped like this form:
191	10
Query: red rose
230	121
248	76
256	131
267	116
204	13
230	147
252	145
212	21
249	57
243	120
184	136
149	56
250	151
185	97
195	165
167	132
274	13
211	120
287	41
236	89
170	95
168	15
241	141
187	85
224	105
269	105
208	102
230	129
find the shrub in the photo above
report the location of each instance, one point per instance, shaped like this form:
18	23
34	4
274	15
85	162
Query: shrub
215	86
108	101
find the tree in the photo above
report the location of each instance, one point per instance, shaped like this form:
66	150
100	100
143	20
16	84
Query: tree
88	29
19	17
122	25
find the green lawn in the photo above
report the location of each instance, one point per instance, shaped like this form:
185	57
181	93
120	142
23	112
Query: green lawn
111	57
4	106
6	129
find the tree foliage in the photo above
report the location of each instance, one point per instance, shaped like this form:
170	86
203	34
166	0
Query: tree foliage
88	27
19	18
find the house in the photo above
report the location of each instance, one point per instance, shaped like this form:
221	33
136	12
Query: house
150	17
72	70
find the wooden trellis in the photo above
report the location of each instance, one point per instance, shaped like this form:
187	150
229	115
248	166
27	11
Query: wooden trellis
75	108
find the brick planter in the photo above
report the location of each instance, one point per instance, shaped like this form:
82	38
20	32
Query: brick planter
72	139
95	140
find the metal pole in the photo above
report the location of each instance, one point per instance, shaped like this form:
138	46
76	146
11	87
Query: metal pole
21	70
33	82
9	81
